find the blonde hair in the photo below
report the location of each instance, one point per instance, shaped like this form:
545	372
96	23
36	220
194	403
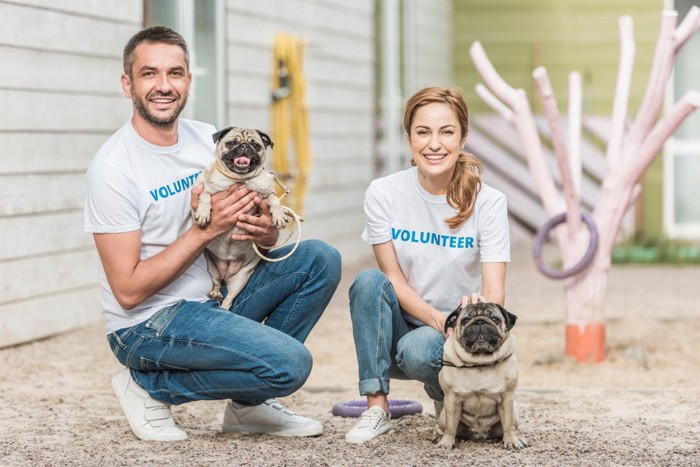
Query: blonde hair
466	181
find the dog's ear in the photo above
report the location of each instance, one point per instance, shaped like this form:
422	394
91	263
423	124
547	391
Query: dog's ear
451	320
266	139
221	133
510	317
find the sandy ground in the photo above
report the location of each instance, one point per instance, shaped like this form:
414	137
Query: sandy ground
640	407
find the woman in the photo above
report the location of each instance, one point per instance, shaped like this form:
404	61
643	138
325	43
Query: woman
440	237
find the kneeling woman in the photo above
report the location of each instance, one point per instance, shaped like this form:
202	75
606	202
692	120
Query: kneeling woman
440	237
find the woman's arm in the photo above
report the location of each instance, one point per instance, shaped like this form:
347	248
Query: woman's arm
409	300
493	285
493	282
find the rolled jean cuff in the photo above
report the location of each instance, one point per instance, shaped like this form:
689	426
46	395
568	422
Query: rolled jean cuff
373	386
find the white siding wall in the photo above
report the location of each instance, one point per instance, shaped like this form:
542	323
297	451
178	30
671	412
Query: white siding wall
60	98
339	70
430	24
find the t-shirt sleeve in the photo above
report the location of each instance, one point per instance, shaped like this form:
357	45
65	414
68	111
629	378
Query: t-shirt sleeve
377	215
110	201
494	232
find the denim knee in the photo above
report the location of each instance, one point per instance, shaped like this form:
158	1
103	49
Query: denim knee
293	370
419	354
326	256
368	286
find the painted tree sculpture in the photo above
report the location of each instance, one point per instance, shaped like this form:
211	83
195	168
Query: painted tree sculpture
586	247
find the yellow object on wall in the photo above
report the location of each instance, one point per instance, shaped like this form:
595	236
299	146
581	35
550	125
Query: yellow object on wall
290	118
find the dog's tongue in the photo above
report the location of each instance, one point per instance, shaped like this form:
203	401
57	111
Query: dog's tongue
242	161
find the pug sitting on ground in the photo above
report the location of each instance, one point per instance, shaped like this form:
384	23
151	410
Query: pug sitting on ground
240	157
479	377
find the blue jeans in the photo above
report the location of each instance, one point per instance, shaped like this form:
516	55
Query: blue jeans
386	344
196	351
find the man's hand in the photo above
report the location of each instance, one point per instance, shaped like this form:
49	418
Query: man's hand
227	206
259	229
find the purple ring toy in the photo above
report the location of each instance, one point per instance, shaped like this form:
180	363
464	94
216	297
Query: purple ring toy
397	408
585	260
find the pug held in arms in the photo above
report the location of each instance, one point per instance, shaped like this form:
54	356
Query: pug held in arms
479	377
240	157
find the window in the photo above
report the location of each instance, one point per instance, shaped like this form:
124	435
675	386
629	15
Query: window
200	22
682	151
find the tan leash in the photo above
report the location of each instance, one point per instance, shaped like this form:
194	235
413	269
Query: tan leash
296	218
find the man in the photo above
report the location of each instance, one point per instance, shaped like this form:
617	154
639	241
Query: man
177	345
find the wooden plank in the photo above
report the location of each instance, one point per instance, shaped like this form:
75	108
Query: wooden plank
49	152
29	277
69	73
40	111
29	320
42	234
525	209
130	11
51	30
499	130
35	194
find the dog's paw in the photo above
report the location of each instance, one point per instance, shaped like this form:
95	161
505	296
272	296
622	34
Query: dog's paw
215	294
280	219
515	441
201	217
446	442
435	437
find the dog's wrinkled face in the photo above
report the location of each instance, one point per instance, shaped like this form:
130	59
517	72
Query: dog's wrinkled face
241	150
481	328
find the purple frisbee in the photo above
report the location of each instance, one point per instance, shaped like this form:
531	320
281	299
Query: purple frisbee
397	408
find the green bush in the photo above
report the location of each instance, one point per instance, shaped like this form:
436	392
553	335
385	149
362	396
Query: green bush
641	249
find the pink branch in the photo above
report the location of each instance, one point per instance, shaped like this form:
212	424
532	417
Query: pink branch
660	71
574	132
688	27
516	100
663	129
622	90
551	111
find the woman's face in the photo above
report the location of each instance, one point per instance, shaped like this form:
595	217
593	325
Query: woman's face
435	141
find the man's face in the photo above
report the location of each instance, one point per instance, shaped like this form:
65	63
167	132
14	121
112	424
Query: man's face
159	83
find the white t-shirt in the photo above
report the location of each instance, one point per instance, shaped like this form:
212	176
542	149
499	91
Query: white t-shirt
134	185
440	264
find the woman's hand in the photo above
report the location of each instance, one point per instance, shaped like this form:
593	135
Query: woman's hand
472	299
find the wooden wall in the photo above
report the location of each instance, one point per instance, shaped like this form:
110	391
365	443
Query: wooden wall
339	71
563	36
60	98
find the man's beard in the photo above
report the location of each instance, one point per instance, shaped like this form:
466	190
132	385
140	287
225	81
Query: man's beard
161	122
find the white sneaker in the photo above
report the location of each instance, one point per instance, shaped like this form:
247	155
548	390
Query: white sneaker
270	417
150	420
372	423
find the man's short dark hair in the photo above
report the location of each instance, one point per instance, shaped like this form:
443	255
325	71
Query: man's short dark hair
154	35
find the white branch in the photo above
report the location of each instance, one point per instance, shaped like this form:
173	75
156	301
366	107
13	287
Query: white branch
551	111
489	74
495	104
688	27
622	91
574	132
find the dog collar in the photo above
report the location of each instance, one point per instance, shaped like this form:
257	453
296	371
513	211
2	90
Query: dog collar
223	170
477	365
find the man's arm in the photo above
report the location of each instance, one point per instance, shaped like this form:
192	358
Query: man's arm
133	280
